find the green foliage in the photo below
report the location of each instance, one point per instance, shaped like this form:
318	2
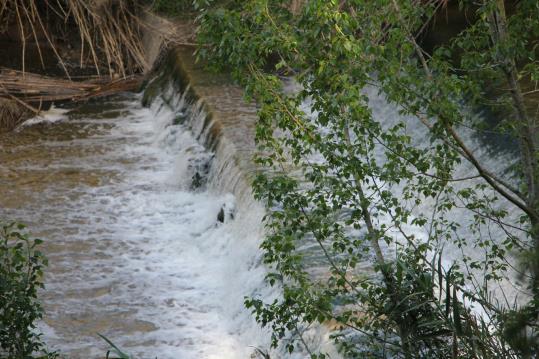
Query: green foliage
346	192
21	276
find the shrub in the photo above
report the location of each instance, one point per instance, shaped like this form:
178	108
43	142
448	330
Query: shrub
21	276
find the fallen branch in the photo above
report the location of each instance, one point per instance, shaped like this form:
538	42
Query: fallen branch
34	88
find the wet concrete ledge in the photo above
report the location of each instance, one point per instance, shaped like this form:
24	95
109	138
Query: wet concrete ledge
231	120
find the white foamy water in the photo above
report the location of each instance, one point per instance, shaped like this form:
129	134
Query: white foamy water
495	153
135	247
135	253
52	115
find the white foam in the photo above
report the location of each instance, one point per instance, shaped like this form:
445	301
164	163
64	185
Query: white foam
52	115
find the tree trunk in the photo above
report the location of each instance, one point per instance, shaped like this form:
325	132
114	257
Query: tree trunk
527	133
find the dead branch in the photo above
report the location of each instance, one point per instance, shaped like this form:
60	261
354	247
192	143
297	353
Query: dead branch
33	88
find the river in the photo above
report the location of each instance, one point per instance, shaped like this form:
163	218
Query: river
152	238
135	240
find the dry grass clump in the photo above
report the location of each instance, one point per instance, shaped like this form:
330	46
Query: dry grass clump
12	114
104	33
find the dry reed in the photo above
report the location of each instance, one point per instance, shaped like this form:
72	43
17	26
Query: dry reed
108	31
12	114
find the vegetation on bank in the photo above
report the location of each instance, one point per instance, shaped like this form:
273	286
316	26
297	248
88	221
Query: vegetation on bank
72	42
360	194
103	35
22	267
21	276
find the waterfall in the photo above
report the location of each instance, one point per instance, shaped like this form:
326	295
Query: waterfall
230	174
150	223
497	154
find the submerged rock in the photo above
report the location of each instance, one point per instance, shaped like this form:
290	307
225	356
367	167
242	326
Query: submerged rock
200	165
221	215
226	213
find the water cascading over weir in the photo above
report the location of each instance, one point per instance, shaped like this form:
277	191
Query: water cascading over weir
151	228
216	113
149	221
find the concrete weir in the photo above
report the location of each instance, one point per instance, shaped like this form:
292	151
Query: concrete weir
227	121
